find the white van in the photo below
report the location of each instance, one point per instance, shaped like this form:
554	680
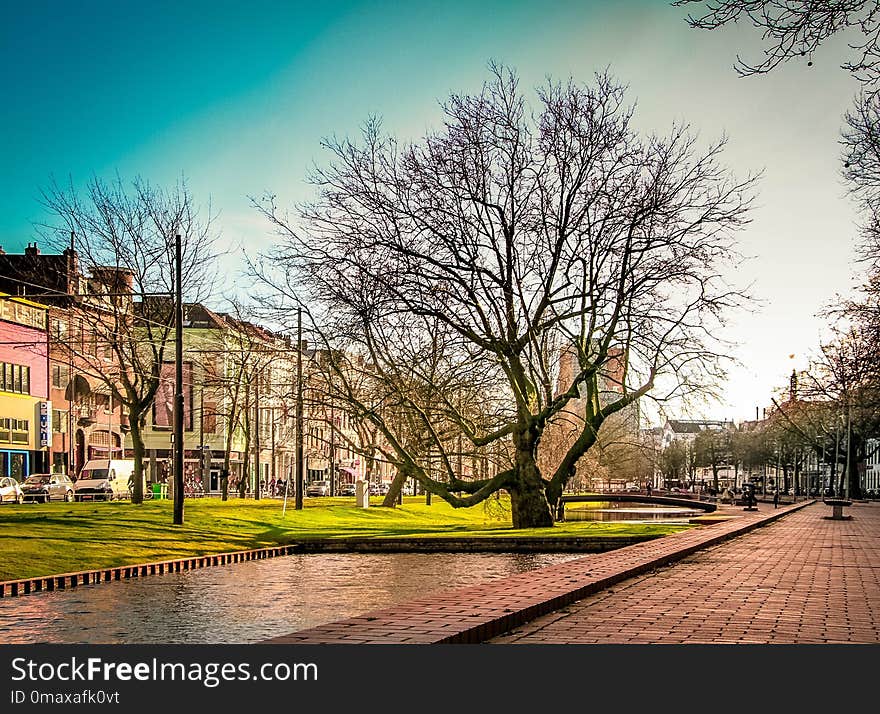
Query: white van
104	480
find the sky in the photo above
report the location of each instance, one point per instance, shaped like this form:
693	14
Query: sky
237	96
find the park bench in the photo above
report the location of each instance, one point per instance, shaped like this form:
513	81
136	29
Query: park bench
837	506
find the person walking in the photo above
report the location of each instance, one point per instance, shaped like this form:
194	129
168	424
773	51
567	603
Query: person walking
776	498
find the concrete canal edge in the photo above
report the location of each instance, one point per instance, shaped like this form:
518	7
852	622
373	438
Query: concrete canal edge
65	581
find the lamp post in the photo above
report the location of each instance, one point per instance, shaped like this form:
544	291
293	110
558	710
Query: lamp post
178	384
299	413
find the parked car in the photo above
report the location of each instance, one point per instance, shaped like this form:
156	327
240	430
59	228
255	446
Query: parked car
348	489
318	488
47	487
384	488
10	490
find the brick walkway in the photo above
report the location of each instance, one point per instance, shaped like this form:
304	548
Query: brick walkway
801	580
783	576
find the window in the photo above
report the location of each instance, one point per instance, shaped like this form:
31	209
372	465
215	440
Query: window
59	329
60	375
59	421
20	429
102	401
15	378
210	418
5	430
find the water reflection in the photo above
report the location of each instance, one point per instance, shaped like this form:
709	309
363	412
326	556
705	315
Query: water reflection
623	511
251	601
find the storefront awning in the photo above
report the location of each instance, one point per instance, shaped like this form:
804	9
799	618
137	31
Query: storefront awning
351	472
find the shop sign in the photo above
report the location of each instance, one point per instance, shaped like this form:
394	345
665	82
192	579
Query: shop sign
45	422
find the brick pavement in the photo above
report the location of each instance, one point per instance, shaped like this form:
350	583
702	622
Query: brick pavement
801	580
785	575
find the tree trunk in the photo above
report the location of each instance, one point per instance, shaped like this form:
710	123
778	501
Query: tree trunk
224	475
246	462
529	505
528	501
855	490
139	449
395	489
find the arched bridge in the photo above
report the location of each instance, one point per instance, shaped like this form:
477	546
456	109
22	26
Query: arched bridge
707	506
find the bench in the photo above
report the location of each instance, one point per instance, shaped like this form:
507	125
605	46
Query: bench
837	506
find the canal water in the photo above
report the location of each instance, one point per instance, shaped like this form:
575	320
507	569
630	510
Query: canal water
628	511
250	601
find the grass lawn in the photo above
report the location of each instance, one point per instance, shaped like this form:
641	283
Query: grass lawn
46	539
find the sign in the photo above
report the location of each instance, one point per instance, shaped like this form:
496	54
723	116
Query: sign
45	422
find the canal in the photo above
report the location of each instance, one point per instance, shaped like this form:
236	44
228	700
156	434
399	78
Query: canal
250	601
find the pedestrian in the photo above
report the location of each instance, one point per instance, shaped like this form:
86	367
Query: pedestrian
648	488
776	498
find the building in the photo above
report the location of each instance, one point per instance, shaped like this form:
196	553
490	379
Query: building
25	408
871	482
86	421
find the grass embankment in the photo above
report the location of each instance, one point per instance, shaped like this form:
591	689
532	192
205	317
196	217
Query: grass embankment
38	539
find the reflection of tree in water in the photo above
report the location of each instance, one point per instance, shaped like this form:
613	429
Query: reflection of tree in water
251	601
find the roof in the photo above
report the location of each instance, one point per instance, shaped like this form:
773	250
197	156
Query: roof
694	426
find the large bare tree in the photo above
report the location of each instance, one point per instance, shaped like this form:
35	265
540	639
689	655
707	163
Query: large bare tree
124	237
507	242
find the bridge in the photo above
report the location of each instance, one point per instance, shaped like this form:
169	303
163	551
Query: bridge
707	506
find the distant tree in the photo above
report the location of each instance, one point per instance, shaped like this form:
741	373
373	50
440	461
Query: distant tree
750	448
124	237
711	449
674	461
523	235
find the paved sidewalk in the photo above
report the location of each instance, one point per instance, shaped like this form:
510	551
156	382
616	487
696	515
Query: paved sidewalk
800	580
786	576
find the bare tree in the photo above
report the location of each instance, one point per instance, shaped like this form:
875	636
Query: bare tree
124	237
512	238
794	29
846	376
861	169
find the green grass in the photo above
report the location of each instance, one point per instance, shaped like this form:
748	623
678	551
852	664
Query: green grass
38	539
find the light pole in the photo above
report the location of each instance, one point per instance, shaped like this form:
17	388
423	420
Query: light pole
178	384
299	413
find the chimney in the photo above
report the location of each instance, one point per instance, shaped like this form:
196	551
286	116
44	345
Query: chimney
31	249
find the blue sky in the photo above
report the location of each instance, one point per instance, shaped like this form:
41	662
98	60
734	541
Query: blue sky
236	97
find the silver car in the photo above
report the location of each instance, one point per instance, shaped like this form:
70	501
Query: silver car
10	490
48	487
